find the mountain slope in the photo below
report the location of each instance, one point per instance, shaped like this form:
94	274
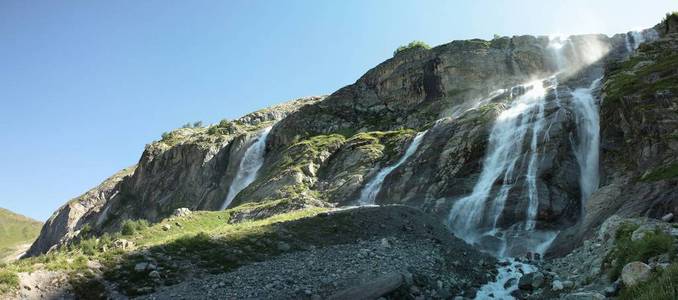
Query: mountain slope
516	145
16	233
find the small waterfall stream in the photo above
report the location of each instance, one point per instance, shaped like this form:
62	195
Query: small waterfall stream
250	164
372	188
587	145
635	38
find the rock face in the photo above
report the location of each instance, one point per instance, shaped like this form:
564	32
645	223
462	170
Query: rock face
322	151
64	223
189	168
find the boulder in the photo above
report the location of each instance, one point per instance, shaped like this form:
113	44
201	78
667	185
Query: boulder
667	217
123	244
634	273
525	282
537	280
140	267
557	285
181	212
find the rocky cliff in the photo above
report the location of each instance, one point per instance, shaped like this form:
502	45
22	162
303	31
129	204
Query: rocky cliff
188	167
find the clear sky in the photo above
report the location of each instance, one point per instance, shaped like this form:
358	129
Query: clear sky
84	85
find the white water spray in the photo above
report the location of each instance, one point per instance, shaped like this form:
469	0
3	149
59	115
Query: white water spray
468	216
371	190
532	168
250	164
587	146
506	281
635	38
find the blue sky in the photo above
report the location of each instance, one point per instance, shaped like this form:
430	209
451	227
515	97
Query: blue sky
84	85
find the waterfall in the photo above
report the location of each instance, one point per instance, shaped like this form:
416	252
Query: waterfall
468	216
250	164
531	177
371	190
586	147
633	39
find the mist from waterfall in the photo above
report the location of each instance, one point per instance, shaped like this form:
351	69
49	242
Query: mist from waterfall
249	166
587	145
369	193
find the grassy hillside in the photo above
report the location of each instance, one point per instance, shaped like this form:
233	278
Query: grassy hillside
15	230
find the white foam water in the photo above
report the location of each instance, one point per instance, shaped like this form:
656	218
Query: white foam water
249	166
587	145
506	281
468	216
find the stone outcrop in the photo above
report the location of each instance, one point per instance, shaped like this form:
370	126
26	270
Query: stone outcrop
64	223
188	168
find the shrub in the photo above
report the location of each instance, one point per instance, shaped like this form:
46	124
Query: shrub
8	281
626	251
411	45
197	124
661	286
224	127
88	246
130	227
165	136
86	230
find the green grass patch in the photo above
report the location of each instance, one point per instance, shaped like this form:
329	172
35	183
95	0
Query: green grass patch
662	285
204	240
626	251
8	281
130	227
15	230
662	173
623	81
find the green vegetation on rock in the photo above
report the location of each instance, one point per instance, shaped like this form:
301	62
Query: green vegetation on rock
130	227
627	250
209	239
661	286
632	77
411	45
662	173
8	280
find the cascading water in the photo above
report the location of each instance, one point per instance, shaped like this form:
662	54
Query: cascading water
531	177
635	38
250	164
468	217
372	188
587	145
